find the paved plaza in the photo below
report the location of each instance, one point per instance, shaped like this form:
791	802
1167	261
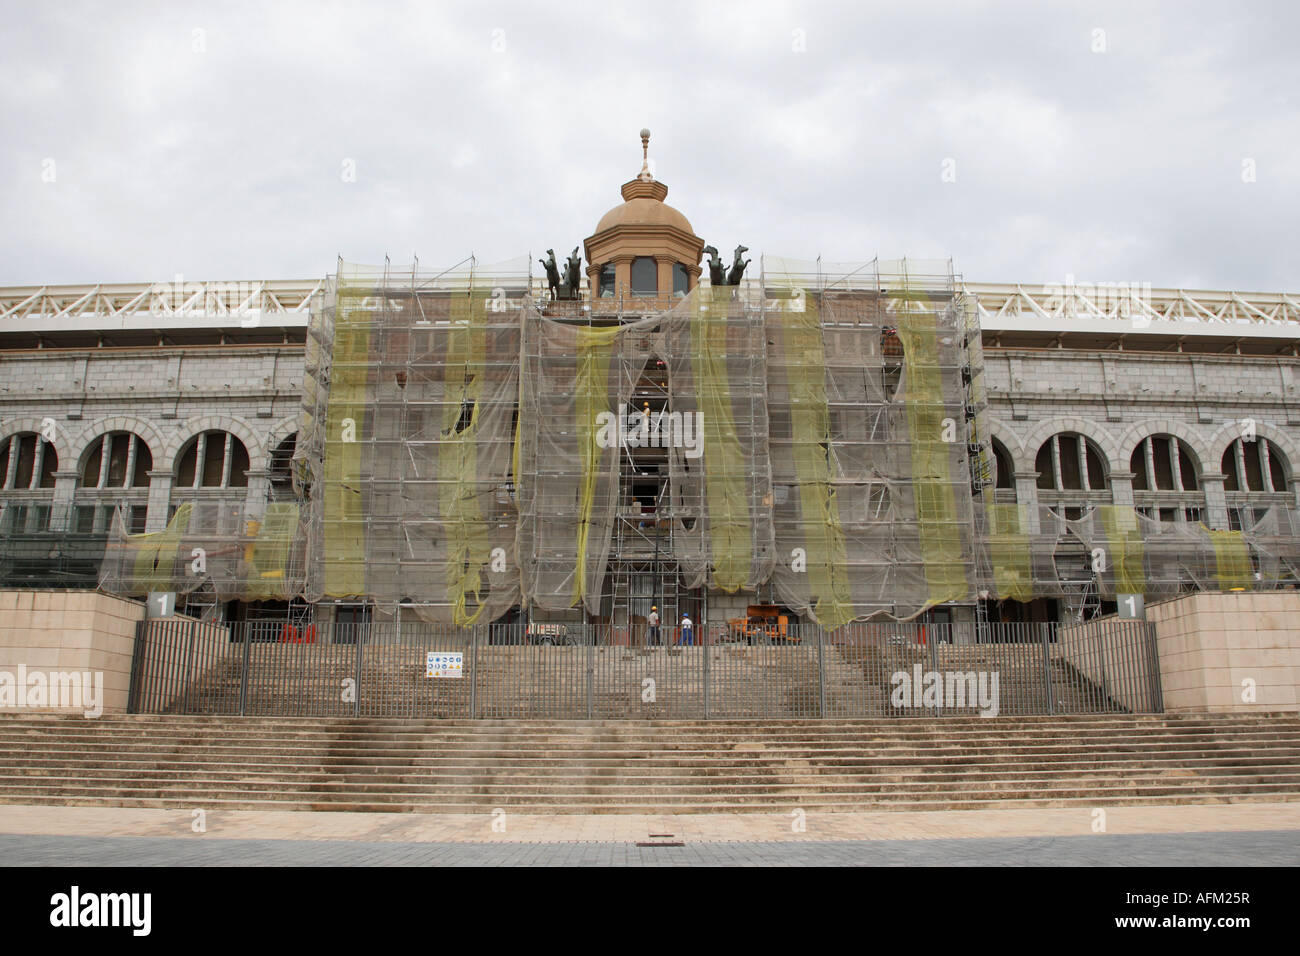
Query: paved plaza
1267	848
1247	834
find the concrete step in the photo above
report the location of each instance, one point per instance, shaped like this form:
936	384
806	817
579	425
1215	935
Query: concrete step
911	803
670	800
619	780
609	766
238	763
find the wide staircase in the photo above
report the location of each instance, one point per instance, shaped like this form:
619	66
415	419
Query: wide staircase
655	766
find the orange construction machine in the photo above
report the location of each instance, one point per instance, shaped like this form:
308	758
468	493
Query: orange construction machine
762	624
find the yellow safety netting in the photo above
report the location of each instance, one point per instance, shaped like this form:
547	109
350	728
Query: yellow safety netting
567	458
592	389
724	460
1009	550
935	431
154	565
343	525
715	441
812	553
1233	570
1122	563
409	445
211	544
270	555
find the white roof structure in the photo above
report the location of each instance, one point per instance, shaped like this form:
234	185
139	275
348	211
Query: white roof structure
1066	315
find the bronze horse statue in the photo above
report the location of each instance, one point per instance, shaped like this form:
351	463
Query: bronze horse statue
552	273
717	275
572	274
737	267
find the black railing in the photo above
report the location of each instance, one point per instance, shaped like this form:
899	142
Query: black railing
595	671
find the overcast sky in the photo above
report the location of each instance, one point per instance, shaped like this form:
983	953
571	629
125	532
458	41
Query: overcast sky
1028	142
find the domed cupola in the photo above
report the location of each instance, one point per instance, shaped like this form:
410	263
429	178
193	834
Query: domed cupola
643	247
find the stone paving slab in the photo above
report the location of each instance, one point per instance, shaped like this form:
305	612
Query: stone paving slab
1218	849
629	828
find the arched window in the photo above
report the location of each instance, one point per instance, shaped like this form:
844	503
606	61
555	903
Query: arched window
1070	462
645	276
28	462
1254	480
117	460
1166	480
1163	463
213	459
282	467
681	279
1254	466
114	474
607	280
27	466
1003	476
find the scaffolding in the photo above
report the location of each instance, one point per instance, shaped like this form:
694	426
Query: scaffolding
815	437
214	550
406	439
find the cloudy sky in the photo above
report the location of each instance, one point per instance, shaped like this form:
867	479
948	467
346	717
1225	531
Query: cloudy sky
1109	141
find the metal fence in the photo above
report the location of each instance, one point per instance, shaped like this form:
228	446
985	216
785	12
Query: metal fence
592	671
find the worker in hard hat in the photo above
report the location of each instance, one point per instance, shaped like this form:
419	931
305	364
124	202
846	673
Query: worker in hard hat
688	630
652	622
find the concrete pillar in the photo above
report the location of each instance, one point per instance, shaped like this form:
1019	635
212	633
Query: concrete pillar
1121	489
1216	502
160	496
259	487
1294	482
1027	495
65	489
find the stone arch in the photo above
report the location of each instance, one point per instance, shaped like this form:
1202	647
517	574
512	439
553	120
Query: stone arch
257	455
147	431
1228	433
1103	439
1008	440
279	433
1189	434
1006	437
15	426
19	426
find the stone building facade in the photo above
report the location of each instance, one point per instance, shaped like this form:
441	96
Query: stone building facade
1072	426
1116	400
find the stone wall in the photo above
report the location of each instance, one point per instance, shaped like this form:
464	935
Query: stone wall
1215	648
71	632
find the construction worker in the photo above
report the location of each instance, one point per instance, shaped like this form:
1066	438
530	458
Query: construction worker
653	623
688	630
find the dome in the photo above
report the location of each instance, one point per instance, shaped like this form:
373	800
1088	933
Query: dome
643	212
644	206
